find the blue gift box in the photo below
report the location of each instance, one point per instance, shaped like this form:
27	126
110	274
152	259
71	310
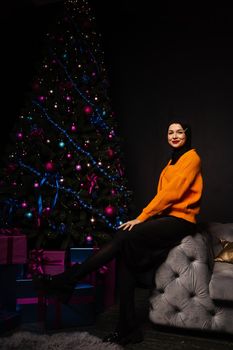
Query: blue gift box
9	320
79	312
79	255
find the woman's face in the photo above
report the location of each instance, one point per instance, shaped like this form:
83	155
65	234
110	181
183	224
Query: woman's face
176	136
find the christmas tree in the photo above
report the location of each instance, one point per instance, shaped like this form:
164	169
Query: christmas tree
63	180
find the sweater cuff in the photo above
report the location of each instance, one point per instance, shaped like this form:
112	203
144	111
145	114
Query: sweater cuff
142	217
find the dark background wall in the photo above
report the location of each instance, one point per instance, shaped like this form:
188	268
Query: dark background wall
168	60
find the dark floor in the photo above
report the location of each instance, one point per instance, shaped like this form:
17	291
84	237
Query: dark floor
162	339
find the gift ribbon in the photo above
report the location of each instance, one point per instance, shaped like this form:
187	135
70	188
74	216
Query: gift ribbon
42	182
92	180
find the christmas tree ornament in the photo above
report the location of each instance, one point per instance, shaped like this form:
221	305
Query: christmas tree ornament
19	135
88	109
110	210
49	166
78	167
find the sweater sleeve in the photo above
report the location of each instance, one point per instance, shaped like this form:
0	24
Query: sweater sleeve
175	189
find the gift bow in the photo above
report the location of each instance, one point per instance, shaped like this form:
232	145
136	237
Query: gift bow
38	261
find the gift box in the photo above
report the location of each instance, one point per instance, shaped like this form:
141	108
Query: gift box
78	256
79	312
29	304
49	262
9	320
104	278
8	287
8	276
13	246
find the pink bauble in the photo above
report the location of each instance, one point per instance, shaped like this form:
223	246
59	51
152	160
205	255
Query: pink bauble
78	167
11	168
87	109
49	166
109	210
110	152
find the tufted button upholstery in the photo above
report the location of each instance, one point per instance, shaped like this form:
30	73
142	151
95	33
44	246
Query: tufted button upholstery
181	297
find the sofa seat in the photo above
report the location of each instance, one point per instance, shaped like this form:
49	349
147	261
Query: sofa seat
221	283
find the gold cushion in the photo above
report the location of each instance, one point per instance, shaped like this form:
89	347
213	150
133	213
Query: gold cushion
226	254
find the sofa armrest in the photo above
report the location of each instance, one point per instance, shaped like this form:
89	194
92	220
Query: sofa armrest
181	296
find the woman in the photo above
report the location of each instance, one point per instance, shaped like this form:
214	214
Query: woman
146	240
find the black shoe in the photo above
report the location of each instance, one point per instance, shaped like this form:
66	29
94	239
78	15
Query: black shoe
52	286
133	337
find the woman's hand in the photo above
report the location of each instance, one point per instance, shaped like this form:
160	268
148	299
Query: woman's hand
129	224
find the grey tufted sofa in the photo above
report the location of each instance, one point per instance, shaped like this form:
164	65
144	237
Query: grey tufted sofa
192	290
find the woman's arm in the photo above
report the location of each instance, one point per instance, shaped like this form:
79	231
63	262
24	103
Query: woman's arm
173	192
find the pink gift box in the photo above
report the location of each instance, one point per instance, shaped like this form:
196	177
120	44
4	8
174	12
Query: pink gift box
49	262
54	261
13	247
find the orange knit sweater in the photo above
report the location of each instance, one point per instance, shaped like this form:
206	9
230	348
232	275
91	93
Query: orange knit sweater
179	189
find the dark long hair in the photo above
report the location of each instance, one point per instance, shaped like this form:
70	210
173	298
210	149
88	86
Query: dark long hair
177	152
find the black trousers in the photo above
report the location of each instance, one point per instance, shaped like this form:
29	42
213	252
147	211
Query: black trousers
143	248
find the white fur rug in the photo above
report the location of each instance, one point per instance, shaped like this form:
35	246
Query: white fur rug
59	341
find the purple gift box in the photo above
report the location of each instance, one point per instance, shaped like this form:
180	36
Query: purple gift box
49	262
13	246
